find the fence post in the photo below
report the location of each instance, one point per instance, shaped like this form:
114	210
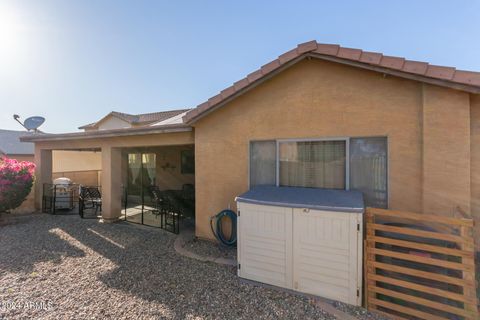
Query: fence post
468	276
370	258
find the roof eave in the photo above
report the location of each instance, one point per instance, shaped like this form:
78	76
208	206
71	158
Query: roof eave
402	74
196	113
106	133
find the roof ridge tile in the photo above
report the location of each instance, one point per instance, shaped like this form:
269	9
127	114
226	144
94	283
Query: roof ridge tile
401	64
440	72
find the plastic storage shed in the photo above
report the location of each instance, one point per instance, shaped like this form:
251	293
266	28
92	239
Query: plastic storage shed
304	239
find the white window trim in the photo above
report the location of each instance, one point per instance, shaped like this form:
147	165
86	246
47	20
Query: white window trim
347	155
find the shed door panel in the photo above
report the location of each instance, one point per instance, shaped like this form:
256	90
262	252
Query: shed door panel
265	248
325	248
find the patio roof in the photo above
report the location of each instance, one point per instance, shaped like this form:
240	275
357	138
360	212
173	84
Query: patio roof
420	71
171	128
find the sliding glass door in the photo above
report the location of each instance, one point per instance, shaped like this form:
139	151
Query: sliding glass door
141	175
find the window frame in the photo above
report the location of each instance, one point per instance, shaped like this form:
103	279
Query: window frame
184	155
249	152
387	169
347	155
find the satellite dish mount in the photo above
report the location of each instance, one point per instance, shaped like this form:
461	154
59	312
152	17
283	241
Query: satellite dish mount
31	123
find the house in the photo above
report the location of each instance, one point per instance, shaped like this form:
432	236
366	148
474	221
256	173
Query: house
11	147
81	167
118	120
405	133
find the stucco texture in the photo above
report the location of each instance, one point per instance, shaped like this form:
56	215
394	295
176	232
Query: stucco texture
319	99
475	164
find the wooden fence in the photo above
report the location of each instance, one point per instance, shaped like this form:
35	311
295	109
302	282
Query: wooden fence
419	266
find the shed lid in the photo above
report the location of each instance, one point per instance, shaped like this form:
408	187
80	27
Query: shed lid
312	198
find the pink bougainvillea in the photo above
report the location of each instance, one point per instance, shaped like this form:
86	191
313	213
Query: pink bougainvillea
16	181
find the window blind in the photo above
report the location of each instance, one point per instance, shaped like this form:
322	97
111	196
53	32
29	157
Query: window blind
368	169
313	164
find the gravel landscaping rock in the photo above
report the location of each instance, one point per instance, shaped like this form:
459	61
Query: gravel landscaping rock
64	267
357	312
210	249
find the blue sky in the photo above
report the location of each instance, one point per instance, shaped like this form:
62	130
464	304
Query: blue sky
74	61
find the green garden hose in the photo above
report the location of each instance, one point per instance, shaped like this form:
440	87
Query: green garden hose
218	231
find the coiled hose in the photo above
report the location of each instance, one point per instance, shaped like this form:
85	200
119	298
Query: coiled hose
218	231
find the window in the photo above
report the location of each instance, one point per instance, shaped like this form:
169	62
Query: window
312	164
262	163
368	170
187	162
347	163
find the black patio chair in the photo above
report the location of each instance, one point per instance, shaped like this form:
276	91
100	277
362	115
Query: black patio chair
173	208
90	198
158	201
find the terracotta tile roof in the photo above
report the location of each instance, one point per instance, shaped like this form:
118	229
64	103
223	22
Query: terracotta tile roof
139	119
421	71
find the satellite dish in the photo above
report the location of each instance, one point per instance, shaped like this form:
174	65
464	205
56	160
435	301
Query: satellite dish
33	123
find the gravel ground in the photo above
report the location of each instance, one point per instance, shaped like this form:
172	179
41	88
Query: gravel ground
55	267
357	312
210	249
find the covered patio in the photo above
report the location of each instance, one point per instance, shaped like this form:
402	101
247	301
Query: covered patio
159	185
146	172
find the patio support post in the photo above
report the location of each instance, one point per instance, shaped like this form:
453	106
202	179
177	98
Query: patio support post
43	173
111	183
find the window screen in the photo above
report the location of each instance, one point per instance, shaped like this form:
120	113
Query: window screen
312	164
263	163
368	169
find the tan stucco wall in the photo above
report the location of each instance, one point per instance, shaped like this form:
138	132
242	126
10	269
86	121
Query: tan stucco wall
85	178
21	157
316	99
172	178
475	163
446	150
70	161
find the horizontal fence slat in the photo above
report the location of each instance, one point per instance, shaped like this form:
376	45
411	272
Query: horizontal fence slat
419	233
421	217
449	229
421	301
421	259
421	246
418	273
407	310
418	287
